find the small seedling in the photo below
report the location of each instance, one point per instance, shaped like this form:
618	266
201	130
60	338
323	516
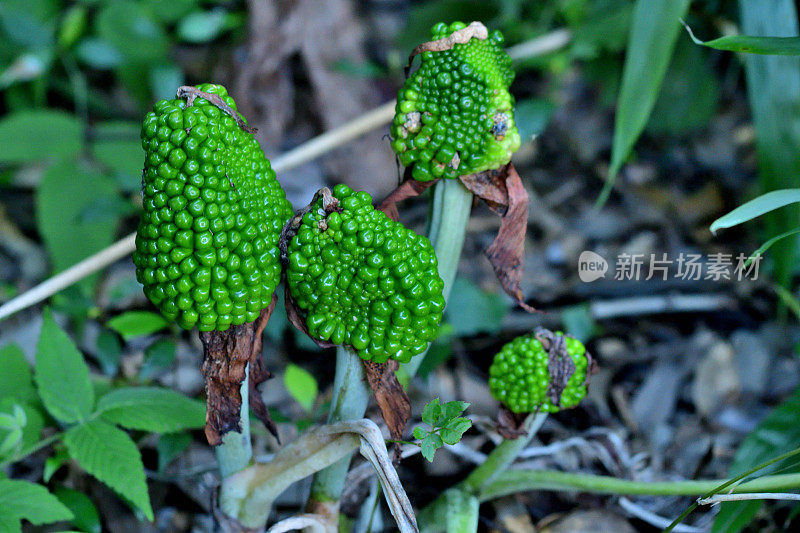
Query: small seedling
446	423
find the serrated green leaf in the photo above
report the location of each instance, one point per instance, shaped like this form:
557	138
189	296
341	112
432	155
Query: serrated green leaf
429	445
301	385
432	412
420	433
67	190
16	379
151	409
454	431
34	422
61	375
777	434
85	513
110	455
52	464
31	502
756	207
453	409
132	324
654	30
32	135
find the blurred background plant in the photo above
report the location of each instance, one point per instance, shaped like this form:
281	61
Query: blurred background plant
681	387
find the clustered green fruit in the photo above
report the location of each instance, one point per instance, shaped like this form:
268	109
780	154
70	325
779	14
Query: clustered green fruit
364	280
454	114
206	247
519	376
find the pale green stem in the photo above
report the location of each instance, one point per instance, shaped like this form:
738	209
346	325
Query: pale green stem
515	481
235	453
349	402
440	513
447	225
501	457
461	515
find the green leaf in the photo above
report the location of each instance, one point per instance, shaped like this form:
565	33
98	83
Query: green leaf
98	53
16	380
454	408
420	433
132	324
61	375
52	464
67	190
301	385
111	456
158	357
31	135
778	433
85	513
757	207
33	424
532	116
432	412
471	310
429	445
170	446
127	26
151	409
779	46
453	432
654	30
202	26
767	245
117	147
31	502
773	90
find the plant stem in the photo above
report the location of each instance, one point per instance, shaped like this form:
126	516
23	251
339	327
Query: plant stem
350	399
440	511
447	225
235	453
501	457
515	481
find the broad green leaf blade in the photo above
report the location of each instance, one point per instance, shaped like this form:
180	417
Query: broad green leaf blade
473	310
110	455
301	385
756	207
32	135
654	30
429	445
61	375
151	409
778	433
776	46
432	412
31	502
773	89
66	194
86	517
132	324
202	26
16	380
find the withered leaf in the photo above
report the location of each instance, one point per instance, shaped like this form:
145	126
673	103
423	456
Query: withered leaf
225	358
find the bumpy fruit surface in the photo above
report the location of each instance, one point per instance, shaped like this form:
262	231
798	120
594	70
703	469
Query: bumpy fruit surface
364	280
519	376
206	247
454	115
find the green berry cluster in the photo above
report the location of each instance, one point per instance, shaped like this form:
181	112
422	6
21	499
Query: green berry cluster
206	247
454	114
519	376
364	280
